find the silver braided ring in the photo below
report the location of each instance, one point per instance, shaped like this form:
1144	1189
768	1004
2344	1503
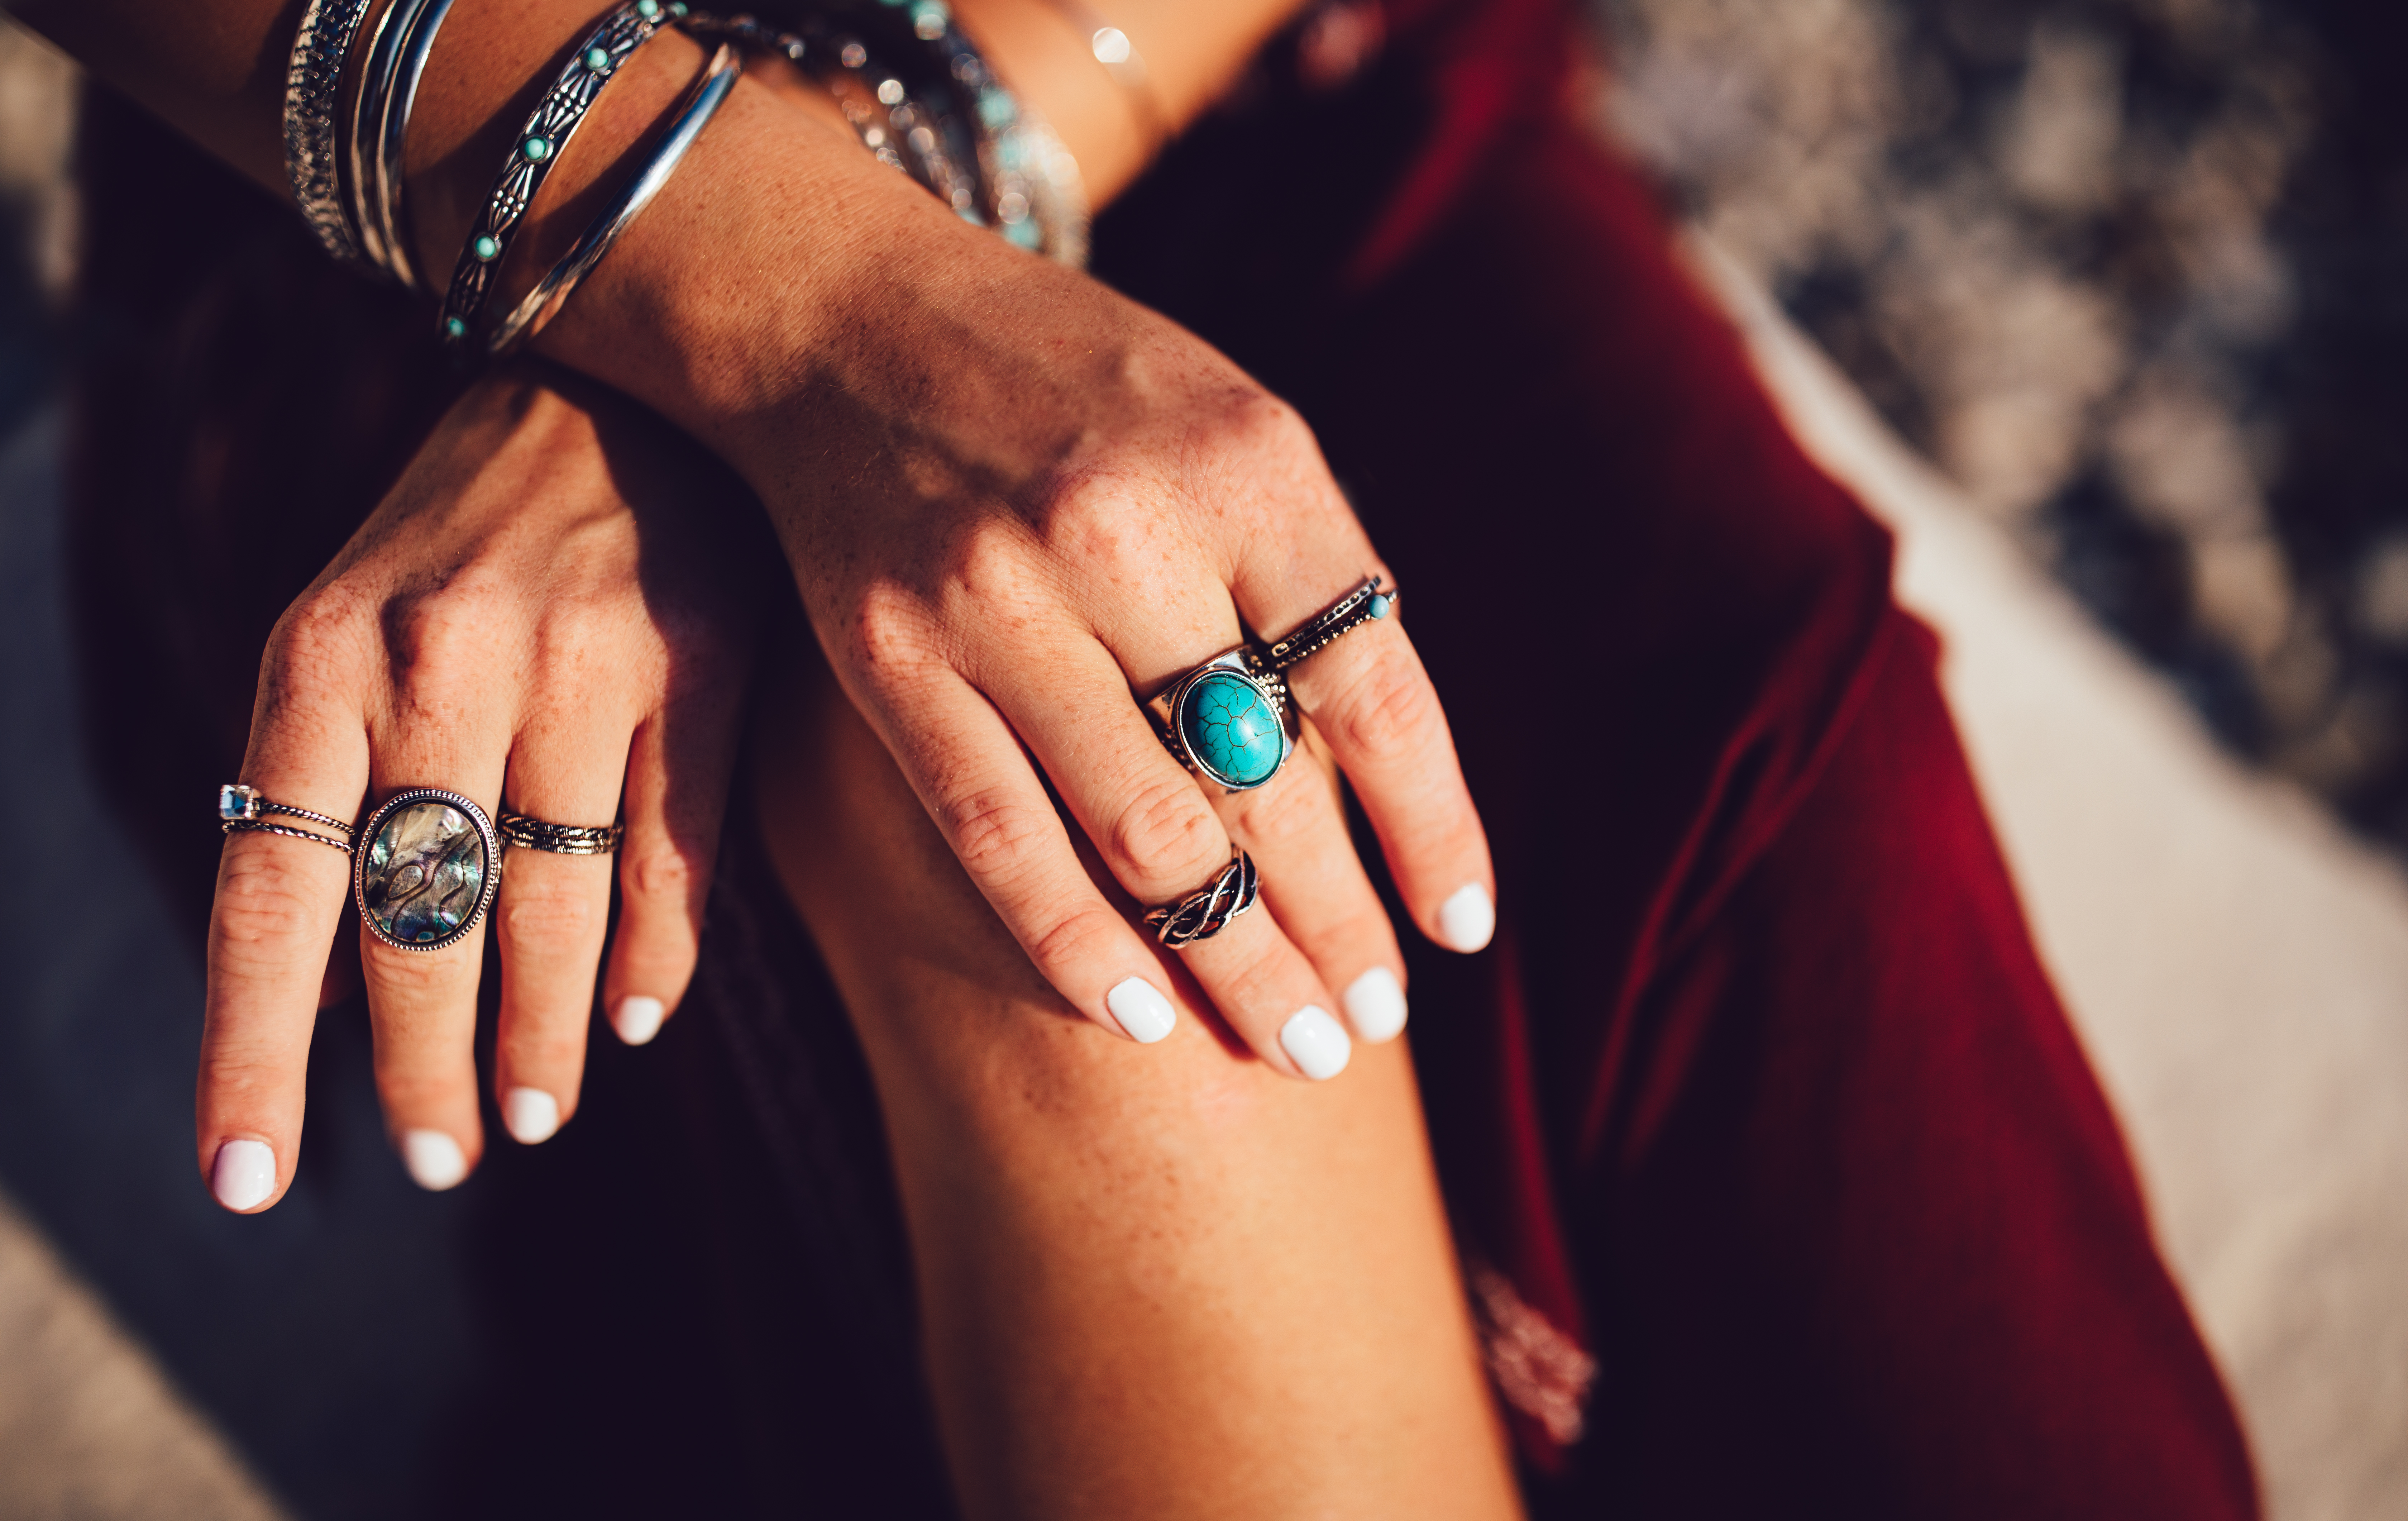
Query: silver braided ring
428	870
520	832
241	811
1365	604
1200	915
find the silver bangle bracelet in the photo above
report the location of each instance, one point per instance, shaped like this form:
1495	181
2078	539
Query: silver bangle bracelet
1034	193
312	81
397	53
538	147
701	103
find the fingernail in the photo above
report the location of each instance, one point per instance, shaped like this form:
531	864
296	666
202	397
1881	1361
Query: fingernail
1144	1014
531	1115
1317	1042
1375	1005
243	1174
637	1019
434	1159
1466	921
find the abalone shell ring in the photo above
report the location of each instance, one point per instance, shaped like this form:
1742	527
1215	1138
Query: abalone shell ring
1227	719
1204	913
520	832
241	811
428	869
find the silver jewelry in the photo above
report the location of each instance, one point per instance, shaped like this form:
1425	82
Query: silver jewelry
520	832
1227	719
537	148
313	79
398	53
1202	914
241	811
426	869
1034	194
1365	604
701	103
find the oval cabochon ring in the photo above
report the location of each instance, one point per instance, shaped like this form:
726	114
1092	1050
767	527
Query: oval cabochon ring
1227	719
428	865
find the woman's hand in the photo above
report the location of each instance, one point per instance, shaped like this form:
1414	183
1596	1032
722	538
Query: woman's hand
1014	502
549	613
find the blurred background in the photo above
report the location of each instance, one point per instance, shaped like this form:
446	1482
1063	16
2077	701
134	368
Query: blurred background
2103	304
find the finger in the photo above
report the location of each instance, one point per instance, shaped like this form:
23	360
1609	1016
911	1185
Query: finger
1159	837
439	732
279	903
551	917
1316	889
1370	698
677	780
971	774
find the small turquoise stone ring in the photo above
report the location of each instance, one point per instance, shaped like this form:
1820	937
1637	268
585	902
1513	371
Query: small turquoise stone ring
1227	719
1366	604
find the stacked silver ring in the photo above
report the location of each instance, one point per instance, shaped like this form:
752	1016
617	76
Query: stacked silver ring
1365	604
521	832
241	811
1204	913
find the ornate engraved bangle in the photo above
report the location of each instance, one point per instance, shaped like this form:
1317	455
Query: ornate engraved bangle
521	832
398	53
1204	913
540	142
701	103
313	79
1365	604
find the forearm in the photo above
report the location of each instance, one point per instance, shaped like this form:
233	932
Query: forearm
1165	1287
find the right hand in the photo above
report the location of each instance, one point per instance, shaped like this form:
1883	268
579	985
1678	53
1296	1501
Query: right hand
549	612
1014	502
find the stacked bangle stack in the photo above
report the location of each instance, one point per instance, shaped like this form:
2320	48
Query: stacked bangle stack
938	113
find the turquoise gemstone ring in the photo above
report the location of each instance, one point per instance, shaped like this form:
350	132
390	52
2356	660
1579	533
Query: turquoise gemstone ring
1227	719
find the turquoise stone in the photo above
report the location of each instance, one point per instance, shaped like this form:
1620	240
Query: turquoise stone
647	8
536	150
1231	730
1379	606
487	248
425	873
596	60
454	327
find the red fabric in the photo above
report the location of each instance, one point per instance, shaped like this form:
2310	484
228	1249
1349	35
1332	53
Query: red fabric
1762	1096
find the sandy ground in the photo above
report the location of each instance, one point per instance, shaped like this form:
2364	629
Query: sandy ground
2238	965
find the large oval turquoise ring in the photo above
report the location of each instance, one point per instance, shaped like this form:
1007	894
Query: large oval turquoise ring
1227	721
426	869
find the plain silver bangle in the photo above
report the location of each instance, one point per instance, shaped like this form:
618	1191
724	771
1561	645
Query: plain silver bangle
702	101
397	53
312	81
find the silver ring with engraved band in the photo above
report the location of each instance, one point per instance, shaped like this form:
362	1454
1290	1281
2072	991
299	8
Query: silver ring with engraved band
520	832
429	864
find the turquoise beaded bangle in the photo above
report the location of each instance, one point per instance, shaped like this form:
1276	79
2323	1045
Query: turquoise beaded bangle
537	148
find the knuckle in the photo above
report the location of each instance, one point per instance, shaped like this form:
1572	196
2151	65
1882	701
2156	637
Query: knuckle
994	834
260	907
662	874
534	912
1386	709
320	641
1165	829
1288	809
888	632
1082	936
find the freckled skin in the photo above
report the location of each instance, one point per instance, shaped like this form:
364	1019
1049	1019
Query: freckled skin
1231	730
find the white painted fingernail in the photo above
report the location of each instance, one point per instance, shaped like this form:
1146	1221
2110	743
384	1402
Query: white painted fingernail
244	1174
1375	1005
1144	1014
434	1159
1466	921
1317	1042
637	1019
531	1114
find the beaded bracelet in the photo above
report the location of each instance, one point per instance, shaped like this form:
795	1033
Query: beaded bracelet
547	131
398	53
313	79
694	112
